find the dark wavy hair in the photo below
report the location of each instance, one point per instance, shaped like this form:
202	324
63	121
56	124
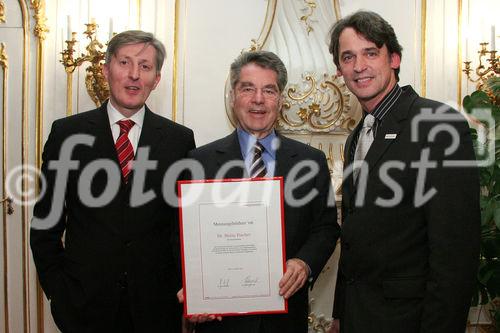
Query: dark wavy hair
373	27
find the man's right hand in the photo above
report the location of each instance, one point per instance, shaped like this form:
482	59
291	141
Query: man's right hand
201	318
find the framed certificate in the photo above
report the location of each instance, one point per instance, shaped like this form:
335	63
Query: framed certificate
232	246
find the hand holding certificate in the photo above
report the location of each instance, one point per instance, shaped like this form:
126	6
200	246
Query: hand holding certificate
232	246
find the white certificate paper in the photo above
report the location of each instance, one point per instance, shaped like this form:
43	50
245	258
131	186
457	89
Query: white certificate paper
232	239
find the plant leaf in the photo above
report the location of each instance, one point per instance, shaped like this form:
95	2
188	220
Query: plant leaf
497	218
488	213
490	247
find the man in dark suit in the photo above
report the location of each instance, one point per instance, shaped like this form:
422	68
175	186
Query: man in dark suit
410	202
311	231
117	269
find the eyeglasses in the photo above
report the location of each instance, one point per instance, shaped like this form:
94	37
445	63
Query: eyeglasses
269	93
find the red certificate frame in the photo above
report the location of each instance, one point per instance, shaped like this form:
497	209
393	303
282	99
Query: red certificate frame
228	229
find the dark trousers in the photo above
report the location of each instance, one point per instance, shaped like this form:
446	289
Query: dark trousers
124	322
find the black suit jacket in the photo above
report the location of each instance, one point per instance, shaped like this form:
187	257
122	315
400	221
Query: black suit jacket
311	230
410	266
115	245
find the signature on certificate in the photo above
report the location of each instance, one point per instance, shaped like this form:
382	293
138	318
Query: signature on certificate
223	283
249	281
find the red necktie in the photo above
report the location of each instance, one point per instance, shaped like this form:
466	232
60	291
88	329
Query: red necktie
124	148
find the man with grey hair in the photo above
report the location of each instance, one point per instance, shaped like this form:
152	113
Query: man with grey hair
410	196
257	82
117	269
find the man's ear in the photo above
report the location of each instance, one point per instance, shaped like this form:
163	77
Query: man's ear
105	71
157	80
339	73
231	98
395	60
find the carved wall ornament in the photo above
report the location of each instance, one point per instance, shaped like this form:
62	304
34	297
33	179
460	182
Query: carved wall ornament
4	60
316	107
41	28
256	44
318	323
2	11
311	6
95	82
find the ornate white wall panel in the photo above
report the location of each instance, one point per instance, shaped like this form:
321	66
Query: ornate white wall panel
318	101
214	34
15	251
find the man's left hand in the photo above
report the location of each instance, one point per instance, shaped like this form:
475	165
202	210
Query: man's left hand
295	276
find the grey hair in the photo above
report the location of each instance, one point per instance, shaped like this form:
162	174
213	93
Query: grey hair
136	37
264	59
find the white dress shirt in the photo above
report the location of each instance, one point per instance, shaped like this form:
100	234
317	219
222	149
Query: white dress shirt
135	132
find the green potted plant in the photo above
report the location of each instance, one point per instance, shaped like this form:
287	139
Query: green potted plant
488	279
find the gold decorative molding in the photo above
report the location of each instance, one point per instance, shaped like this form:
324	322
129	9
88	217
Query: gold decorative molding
138	6
459	56
40	29
336	7
266	28
2	11
318	323
4	60
24	163
4	63
317	107
423	51
488	67
95	82
310	7
175	59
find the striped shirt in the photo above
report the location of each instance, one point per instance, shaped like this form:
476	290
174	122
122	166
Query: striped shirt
380	111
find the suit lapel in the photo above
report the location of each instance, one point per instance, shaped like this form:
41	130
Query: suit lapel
391	126
348	183
285	157
230	150
98	123
151	132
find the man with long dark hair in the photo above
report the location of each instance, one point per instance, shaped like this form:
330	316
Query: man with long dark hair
410	201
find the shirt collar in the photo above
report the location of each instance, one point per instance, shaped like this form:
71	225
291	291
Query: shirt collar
382	109
247	141
115	115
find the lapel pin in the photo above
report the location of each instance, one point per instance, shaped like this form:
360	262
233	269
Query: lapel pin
391	136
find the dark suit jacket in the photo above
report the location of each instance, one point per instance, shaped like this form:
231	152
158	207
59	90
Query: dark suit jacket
115	245
311	230
410	267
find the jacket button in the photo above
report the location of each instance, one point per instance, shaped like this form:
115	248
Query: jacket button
350	281
122	282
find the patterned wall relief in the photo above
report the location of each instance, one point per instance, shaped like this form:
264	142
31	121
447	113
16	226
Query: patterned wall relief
317	101
317	106
2	11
